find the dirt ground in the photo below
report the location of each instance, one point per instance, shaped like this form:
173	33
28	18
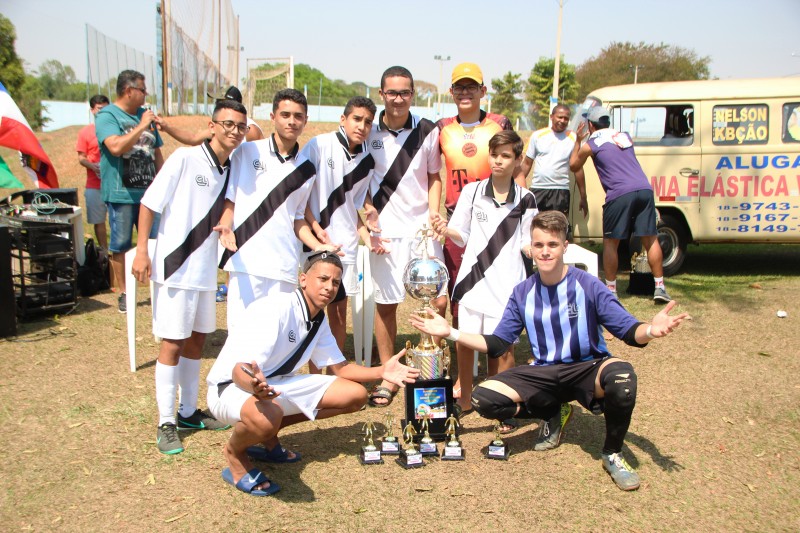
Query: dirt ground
715	435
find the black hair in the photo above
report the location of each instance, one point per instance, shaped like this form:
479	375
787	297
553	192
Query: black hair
565	107
228	104
289	94
98	99
360	101
392	72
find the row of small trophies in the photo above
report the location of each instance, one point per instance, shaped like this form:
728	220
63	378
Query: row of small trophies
412	457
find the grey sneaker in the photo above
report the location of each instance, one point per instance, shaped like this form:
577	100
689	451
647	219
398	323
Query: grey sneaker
200	420
122	304
661	296
168	440
551	431
620	471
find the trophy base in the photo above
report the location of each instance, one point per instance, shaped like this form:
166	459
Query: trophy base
409	461
390	447
428	448
370	457
493	451
453	453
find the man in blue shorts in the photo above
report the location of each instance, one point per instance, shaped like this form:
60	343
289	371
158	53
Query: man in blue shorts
563	310
630	206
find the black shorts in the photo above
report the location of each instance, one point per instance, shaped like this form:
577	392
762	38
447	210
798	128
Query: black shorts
552	200
538	384
630	214
341	294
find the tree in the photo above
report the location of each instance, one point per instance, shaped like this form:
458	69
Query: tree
58	82
11	72
539	88
616	65
505	100
29	100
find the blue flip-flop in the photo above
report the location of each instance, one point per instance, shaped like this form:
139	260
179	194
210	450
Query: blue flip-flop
278	454
250	481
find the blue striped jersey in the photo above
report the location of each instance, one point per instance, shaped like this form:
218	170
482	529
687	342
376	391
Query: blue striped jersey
564	321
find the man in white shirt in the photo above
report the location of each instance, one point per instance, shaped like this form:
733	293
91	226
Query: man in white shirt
189	194
406	189
255	383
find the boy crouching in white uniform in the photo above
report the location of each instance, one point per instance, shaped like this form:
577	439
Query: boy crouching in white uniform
189	193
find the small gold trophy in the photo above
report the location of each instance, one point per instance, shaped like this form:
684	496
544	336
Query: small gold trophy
410	456
453	451
370	454
426	445
497	449
389	443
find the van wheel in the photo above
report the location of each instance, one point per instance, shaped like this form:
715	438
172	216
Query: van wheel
673	238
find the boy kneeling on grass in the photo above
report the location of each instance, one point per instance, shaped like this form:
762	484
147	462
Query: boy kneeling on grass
563	310
255	383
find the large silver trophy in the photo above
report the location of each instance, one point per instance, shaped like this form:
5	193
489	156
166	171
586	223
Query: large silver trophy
424	278
430	398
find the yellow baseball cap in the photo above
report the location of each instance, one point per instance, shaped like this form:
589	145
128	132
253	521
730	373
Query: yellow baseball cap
467	70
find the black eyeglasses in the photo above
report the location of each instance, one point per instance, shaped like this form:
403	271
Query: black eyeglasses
143	91
392	95
229	126
472	88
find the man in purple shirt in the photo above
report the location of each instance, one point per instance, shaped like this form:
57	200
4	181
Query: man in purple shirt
630	206
563	310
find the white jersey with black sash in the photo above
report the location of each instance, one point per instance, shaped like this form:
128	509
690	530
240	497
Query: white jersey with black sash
403	160
270	336
494	234
189	192
270	192
342	182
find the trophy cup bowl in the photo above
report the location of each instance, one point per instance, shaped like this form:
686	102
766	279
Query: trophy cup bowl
424	278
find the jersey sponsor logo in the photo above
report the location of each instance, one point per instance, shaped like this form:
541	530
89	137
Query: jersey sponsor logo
258	165
481	216
292	336
572	310
201	180
330	163
469	149
468	136
377	144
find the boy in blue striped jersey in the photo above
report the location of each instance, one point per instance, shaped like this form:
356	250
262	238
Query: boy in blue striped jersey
563	310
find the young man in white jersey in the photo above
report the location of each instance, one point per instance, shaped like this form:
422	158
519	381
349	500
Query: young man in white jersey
564	310
256	384
266	206
189	194
406	189
343	172
491	221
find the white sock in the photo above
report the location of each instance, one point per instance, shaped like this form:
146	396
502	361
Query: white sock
166	386
612	285
659	282
189	380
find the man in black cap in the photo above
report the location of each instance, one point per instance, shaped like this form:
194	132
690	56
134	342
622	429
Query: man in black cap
190	138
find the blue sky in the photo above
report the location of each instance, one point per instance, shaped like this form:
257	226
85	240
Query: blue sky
356	40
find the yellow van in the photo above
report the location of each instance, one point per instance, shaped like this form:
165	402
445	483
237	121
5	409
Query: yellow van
723	157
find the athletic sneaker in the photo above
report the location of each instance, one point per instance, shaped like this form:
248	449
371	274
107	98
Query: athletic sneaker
620	471
551	431
122	303
200	420
168	440
661	296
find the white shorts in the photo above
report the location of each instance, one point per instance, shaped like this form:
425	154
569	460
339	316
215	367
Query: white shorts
300	393
350	275
96	209
244	289
179	312
387	270
471	321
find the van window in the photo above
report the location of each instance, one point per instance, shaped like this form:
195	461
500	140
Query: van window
671	125
741	124
791	122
